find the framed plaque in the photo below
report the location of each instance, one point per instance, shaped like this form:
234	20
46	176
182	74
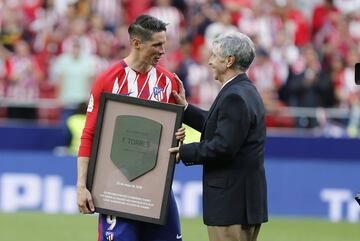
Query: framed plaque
130	171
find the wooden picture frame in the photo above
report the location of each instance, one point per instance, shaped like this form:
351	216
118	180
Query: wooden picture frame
146	197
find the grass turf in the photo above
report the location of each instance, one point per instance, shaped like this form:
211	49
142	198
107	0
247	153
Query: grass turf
45	227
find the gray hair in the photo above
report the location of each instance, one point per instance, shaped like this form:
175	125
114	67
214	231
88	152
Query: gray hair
238	45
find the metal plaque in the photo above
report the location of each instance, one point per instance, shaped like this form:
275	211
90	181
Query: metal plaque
135	145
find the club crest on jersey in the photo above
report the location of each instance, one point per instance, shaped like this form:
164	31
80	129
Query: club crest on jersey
158	93
109	235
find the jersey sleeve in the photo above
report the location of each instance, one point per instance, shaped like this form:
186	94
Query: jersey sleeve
173	84
174	87
91	118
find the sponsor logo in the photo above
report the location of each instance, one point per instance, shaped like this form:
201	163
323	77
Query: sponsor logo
29	191
178	236
341	204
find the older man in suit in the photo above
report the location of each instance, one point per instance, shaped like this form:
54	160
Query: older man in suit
231	148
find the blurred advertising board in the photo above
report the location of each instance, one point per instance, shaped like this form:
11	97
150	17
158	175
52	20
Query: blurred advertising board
297	187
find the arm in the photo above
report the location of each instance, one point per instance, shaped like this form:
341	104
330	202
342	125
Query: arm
84	199
232	128
195	117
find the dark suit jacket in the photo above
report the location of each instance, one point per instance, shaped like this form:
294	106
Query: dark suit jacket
231	151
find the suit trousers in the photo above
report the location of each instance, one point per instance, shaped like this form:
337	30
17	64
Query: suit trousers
234	232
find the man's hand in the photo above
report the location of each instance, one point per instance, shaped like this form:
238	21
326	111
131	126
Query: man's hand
175	150
180	97
84	200
180	134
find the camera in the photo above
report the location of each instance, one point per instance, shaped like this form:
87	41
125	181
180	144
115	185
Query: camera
357	198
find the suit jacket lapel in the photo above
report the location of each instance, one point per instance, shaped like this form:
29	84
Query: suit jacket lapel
237	79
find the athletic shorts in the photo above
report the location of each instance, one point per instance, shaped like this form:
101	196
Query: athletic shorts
113	228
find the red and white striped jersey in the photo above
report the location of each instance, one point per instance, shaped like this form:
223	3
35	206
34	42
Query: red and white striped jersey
156	84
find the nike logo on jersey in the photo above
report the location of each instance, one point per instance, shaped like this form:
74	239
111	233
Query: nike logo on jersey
178	236
128	94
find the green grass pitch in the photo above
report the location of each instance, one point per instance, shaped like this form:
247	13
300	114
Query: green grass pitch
47	227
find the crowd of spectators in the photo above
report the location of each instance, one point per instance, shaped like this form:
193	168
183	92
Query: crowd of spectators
306	53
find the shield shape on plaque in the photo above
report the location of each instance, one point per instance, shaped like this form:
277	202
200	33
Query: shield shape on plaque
135	145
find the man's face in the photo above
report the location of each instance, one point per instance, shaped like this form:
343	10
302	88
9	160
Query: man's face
152	49
217	63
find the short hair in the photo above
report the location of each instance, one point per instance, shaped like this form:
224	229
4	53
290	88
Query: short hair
144	26
238	45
